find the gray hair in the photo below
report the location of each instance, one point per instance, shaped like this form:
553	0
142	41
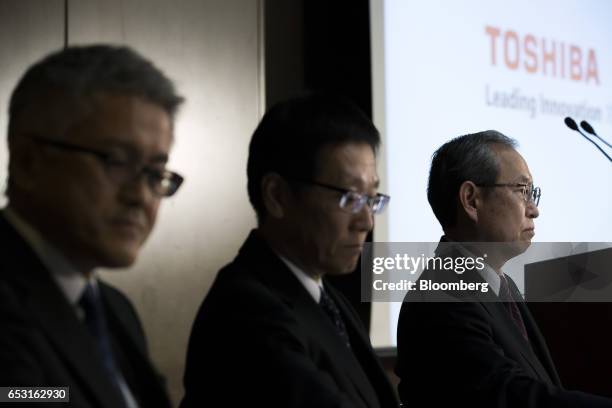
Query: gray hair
58	87
465	158
79	72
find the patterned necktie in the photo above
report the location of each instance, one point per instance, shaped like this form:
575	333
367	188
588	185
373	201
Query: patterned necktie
332	311
95	321
510	304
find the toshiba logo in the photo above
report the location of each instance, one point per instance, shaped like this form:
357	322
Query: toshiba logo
541	55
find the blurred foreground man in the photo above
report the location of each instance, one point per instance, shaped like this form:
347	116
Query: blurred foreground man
473	348
90	131
272	332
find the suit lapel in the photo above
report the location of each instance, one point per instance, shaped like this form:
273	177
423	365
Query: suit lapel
57	319
499	313
133	349
538	344
121	325
73	343
316	321
279	278
363	352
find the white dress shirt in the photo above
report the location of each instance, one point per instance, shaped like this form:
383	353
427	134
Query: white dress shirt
312	285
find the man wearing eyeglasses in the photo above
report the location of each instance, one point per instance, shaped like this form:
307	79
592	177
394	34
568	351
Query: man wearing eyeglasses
90	131
475	349
271	331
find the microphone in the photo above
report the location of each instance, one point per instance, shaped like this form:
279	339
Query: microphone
571	123
589	129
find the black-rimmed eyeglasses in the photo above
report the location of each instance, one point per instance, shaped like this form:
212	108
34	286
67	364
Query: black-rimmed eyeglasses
529	192
353	201
162	182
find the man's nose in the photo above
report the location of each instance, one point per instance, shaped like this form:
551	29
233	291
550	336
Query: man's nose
364	219
531	210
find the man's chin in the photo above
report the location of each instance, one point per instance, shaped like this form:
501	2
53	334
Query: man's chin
118	258
518	247
525	244
346	268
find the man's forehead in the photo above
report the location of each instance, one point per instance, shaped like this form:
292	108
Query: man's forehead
351	164
512	166
354	179
114	112
127	125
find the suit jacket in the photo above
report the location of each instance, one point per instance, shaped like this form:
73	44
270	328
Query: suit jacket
43	343
260	339
470	353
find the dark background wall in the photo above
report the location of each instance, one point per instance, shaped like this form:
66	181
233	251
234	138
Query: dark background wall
318	45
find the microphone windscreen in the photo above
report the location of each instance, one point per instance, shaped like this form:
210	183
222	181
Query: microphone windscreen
587	127
571	123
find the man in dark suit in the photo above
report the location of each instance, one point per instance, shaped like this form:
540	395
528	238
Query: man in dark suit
90	131
473	348
272	332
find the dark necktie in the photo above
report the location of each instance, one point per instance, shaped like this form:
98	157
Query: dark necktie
331	309
510	304
95	321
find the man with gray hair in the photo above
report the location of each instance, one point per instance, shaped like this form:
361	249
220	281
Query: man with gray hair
90	131
479	349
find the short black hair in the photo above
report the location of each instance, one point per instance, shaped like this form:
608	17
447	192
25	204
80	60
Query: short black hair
465	158
291	134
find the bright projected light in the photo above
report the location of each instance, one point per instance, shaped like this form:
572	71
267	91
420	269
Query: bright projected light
442	69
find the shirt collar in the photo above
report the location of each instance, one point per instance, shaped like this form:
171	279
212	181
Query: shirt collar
492	277
487	273
70	281
312	285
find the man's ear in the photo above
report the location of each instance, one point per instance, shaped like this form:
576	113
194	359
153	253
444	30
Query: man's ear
274	194
470	199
